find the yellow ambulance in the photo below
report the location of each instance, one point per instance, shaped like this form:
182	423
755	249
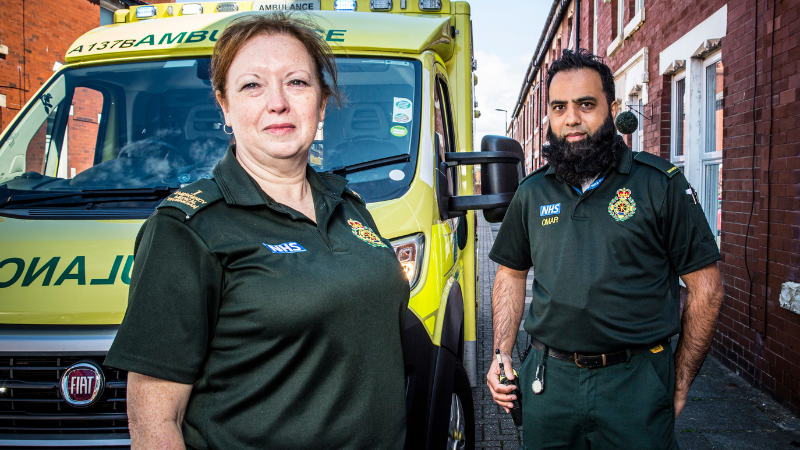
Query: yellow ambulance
130	118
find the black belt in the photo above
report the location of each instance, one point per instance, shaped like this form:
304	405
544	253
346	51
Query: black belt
601	360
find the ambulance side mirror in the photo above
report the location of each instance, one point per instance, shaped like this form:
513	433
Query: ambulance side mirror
500	160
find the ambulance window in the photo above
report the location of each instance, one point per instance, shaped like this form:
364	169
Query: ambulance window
37	147
81	135
445	135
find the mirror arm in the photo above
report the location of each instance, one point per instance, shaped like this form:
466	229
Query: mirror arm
485	201
473	158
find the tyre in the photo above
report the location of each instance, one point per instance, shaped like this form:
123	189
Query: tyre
461	428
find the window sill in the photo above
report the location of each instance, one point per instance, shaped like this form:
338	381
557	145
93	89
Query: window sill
635	23
615	45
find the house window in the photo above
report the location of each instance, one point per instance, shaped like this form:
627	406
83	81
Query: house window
678	138
713	88
620	16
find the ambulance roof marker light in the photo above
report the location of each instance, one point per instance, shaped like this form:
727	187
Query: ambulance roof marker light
169	10
226	7
145	12
189	9
345	5
430	5
380	5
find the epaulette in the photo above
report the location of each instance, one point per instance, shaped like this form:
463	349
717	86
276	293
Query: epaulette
194	197
669	169
353	193
544	167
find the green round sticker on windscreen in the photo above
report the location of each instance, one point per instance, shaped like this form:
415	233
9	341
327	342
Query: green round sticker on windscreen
399	131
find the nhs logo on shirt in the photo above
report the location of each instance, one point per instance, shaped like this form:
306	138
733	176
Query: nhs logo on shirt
549	210
289	247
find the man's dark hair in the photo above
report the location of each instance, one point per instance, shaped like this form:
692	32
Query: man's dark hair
583	59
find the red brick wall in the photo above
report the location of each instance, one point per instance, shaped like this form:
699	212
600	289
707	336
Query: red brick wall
761	175
83	126
756	335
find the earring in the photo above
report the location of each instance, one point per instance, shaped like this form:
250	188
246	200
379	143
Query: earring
320	125
226	132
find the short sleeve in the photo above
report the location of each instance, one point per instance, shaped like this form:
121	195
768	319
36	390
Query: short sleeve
512	247
689	240
172	303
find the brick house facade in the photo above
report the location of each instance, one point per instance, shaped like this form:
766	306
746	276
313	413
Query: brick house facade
717	85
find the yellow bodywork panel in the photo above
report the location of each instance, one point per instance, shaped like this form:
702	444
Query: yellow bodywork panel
65	271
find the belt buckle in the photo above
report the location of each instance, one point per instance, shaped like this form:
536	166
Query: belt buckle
575	356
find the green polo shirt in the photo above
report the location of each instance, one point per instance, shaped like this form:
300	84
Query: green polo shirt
288	330
606	261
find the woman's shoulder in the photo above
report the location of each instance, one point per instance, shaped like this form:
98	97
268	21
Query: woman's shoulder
192	198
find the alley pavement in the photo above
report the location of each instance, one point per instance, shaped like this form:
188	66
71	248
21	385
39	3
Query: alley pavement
722	412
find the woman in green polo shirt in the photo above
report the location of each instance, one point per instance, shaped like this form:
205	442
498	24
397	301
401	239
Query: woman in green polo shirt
265	311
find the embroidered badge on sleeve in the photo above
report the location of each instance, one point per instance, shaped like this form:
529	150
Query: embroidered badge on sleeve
365	233
622	207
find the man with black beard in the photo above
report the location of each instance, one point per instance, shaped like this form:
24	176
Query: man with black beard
608	233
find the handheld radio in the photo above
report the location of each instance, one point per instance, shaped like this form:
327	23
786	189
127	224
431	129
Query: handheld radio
516	411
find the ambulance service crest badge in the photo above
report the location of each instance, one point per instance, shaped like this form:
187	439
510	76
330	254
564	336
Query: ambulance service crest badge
622	207
365	233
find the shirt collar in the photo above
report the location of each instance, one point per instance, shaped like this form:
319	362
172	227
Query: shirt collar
239	188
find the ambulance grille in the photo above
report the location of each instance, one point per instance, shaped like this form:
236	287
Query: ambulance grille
32	402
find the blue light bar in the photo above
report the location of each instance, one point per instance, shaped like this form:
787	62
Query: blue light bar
344	5
145	12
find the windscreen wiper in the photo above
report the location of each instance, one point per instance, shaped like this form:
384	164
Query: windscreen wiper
87	196
353	168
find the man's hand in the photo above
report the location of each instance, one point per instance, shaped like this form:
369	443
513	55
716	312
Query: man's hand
500	392
508	304
698	324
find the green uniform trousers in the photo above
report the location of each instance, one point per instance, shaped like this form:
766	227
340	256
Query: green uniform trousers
624	406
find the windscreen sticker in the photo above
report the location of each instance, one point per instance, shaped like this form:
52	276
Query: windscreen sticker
399	131
397	175
401	110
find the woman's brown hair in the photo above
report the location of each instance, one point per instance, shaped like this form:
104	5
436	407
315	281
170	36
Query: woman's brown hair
244	28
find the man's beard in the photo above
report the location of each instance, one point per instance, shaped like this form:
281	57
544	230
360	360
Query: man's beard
581	161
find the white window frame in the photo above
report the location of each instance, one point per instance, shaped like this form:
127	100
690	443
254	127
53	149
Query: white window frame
678	160
594	28
620	17
637	137
708	158
704	155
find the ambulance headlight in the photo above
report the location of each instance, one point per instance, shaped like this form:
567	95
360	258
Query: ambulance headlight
145	12
344	5
380	5
410	251
190	9
430	5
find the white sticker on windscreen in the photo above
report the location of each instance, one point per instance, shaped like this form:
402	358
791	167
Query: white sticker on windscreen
401	110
